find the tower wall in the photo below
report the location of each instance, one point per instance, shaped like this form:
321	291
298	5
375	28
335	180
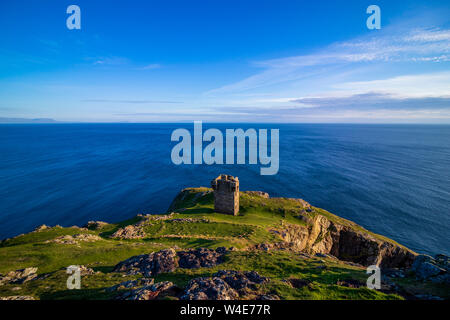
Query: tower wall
226	194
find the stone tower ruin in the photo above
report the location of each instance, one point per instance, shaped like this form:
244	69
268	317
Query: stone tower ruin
226	194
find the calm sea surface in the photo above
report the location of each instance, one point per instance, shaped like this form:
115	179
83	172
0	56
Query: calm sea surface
391	179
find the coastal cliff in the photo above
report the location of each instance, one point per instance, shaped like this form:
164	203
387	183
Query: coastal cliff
274	248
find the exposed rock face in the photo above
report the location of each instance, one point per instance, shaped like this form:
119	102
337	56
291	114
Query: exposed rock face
17	298
85	271
19	276
150	292
346	243
129	232
200	258
268	297
168	260
366	250
224	285
241	281
75	239
95	225
432	269
209	289
41	228
149	264
131	284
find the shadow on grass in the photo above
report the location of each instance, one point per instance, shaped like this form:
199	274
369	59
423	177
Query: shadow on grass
104	269
81	294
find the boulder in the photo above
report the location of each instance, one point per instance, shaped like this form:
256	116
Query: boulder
200	258
131	284
239	280
150	292
41	228
149	264
17	298
129	232
209	289
75	239
95	225
19	276
432	269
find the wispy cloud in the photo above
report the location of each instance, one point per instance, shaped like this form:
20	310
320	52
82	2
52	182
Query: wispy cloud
128	101
389	45
122	61
376	101
434	84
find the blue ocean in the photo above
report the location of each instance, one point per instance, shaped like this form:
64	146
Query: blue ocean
391	179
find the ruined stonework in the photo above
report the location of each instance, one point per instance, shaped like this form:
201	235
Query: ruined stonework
226	194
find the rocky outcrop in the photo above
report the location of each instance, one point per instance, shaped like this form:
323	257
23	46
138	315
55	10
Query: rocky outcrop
435	269
200	258
131	284
168	260
240	281
86	271
75	239
150	292
344	242
17	298
225	285
95	225
149	264
19	276
209	289
129	232
41	228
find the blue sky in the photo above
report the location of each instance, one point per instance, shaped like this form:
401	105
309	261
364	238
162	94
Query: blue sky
226	61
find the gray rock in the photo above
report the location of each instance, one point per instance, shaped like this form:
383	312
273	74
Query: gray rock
131	284
149	264
19	276
17	298
209	289
239	280
150	292
427	268
200	258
